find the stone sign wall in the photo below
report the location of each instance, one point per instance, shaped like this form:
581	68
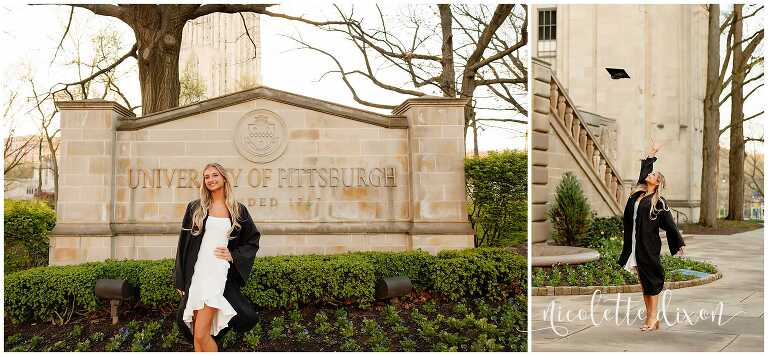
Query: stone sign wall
317	177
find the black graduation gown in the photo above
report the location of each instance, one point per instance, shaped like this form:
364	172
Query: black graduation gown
243	249
647	240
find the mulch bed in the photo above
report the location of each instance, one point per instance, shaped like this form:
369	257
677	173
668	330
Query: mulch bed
101	321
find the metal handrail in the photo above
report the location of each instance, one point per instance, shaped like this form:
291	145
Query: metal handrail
677	215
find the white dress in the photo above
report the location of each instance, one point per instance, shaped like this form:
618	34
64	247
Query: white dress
210	276
631	262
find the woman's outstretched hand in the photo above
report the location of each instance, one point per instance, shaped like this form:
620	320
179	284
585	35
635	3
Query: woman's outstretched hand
180	291
223	253
655	147
681	251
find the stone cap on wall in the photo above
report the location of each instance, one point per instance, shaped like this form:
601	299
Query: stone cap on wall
262	92
90	104
430	101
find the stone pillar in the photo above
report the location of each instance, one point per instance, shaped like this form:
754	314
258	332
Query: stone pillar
438	199
542	101
86	181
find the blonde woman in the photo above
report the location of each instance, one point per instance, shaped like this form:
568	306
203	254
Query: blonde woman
647	211
217	246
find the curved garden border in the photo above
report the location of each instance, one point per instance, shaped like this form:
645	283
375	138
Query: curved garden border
629	288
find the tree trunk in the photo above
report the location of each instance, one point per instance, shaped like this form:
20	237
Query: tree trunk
469	123
158	31
448	82
711	146
39	167
736	154
55	168
474	135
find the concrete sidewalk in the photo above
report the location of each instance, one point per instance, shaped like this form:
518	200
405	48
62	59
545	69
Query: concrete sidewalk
739	257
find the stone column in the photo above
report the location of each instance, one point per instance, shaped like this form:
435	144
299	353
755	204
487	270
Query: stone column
542	101
86	181
438	198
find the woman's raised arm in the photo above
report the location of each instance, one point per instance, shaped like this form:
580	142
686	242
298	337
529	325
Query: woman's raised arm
646	165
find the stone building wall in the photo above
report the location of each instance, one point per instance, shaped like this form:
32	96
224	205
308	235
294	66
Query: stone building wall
216	48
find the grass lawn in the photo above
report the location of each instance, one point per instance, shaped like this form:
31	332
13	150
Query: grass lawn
724	227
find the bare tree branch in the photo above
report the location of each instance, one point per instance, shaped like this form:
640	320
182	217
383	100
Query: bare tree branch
474	62
103	10
525	122
724	129
130	53
346	80
753	90
248	33
66	31
501	81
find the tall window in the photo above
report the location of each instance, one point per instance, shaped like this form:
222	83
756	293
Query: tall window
547	43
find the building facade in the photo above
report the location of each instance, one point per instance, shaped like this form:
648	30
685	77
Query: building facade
223	51
663	49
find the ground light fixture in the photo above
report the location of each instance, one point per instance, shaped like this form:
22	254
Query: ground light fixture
116	290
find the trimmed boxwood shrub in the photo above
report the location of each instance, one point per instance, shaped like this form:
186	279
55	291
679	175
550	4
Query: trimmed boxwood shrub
276	282
286	281
479	272
413	264
26	224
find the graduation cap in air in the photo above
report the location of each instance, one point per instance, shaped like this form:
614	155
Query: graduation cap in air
617	73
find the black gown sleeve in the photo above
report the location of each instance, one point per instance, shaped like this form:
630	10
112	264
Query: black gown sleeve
244	254
178	270
646	167
674	239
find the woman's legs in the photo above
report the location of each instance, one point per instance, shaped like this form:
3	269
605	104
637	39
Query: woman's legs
648	311
652	307
647	301
202	329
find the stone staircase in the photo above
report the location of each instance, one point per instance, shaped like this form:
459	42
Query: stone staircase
562	142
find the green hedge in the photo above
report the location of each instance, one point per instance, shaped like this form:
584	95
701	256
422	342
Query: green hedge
497	192
276	282
26	223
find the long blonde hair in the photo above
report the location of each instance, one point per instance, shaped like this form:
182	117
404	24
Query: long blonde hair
206	199
656	196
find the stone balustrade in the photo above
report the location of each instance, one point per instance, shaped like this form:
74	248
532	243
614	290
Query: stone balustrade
563	109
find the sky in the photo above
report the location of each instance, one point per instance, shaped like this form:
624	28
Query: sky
283	66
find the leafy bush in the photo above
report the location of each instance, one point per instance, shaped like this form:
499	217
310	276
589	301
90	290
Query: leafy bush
497	189
602	229
276	282
26	224
570	212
